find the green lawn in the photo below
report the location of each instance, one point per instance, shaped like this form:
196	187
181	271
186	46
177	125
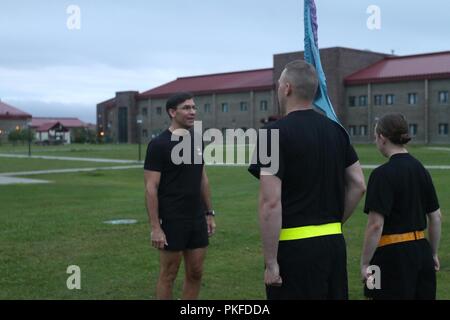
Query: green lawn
45	228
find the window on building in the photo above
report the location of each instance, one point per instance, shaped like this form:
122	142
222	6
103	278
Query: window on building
390	99
263	105
363	130
243	106
99	115
443	129
443	97
363	101
144	112
412	98
352	130
207	108
225	107
378	99
351	101
412	129
145	133
158	111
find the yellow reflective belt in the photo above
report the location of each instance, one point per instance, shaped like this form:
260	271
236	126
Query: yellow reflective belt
310	231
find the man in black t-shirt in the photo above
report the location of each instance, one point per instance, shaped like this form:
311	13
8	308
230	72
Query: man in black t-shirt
317	186
178	199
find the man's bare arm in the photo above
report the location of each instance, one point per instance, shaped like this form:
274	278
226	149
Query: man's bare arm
270	220
152	179
206	197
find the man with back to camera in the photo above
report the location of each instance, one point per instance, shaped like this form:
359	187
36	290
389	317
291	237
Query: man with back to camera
303	204
178	201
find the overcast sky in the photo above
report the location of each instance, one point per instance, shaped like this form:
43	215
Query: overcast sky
48	69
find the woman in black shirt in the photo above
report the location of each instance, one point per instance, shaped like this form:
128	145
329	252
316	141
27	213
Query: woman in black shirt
397	261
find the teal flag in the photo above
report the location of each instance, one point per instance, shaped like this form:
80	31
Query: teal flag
312	56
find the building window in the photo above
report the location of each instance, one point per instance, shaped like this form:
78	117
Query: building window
145	133
263	105
363	130
207	108
413	129
144	112
243	106
378	100
412	98
158	111
443	129
99	115
225	107
443	97
352	130
363	101
351	101
390	99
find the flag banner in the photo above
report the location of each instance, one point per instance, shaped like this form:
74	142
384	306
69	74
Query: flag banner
312	56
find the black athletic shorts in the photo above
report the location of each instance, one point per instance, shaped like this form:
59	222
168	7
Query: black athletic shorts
185	234
406	272
313	268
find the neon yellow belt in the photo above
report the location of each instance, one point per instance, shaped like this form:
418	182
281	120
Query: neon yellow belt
310	231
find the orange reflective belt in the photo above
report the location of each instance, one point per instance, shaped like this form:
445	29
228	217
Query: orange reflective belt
402	237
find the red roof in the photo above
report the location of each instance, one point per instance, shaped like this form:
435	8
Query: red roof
9	112
66	122
255	80
415	67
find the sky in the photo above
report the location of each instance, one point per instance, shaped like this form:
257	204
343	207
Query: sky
49	67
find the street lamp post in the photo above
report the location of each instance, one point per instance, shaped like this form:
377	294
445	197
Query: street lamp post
139	134
29	138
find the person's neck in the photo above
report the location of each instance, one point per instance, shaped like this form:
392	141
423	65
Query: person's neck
176	129
298	106
391	150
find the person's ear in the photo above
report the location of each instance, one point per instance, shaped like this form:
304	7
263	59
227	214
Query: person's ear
288	89
172	112
382	138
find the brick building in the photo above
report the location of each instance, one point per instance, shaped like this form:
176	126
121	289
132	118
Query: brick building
417	86
226	100
362	85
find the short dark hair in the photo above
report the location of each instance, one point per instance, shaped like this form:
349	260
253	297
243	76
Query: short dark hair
303	77
177	98
394	127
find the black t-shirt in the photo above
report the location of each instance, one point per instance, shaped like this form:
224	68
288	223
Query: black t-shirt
179	192
313	155
403	192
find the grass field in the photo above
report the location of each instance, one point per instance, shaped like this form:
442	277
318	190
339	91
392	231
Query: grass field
45	228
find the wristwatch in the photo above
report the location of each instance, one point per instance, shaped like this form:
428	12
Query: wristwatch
210	213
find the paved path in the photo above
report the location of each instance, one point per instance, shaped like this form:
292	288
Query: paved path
6	155
12	180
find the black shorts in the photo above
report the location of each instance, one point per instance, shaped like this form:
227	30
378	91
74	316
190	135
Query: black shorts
185	234
313	268
406	272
